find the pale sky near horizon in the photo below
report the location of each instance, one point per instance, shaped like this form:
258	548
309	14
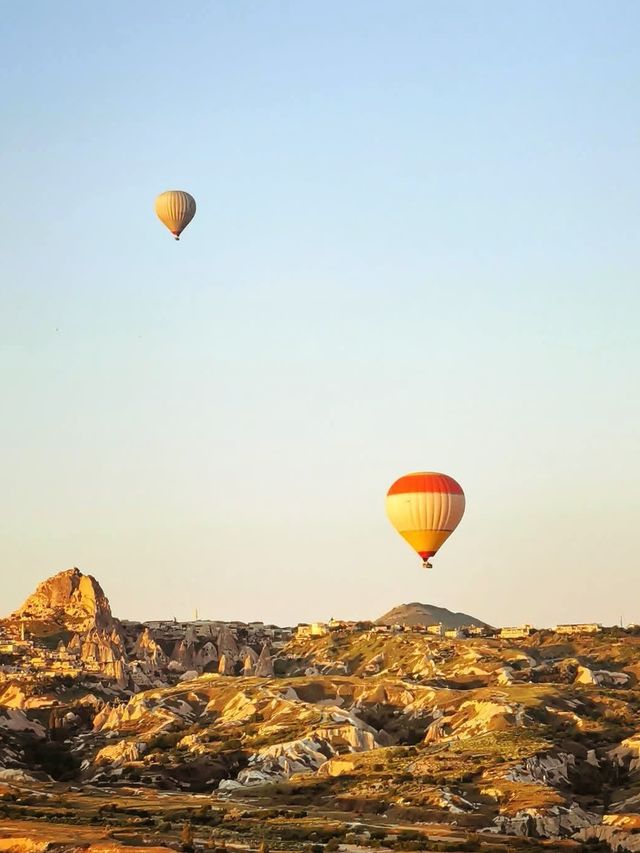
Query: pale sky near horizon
416	248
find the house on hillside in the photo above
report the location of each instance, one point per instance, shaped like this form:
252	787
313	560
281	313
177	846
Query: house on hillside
477	630
436	629
341	624
453	633
316	629
516	633
580	628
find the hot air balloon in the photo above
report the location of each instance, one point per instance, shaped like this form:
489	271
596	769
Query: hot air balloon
175	209
425	508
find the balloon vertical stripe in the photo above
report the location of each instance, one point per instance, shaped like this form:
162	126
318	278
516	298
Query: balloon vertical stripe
175	209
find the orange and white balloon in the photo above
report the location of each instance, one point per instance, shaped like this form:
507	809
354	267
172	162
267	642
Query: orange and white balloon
425	508
175	209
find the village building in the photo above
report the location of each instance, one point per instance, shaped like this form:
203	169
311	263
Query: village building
316	629
341	624
580	628
515	633
477	630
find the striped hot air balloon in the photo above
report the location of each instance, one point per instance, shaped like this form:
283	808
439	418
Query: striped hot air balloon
175	209
425	508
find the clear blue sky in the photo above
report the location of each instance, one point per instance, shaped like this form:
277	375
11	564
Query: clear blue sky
416	247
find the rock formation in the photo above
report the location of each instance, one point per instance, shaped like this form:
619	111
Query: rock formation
250	659
70	599
106	652
264	664
227	644
207	657
149	652
225	666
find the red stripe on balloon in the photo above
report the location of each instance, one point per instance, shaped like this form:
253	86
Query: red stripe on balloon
427	482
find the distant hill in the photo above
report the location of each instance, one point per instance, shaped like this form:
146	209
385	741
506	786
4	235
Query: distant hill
427	614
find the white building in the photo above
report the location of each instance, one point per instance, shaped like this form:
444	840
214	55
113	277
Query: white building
515	633
580	628
316	629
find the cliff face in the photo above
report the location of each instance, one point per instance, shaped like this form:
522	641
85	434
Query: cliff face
70	599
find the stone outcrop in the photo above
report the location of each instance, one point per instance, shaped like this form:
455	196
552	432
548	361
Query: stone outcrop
627	753
227	645
474	718
601	677
70	599
616	838
279	762
106	652
207	657
341	732
554	822
250	659
119	753
554	770
264	664
225	665
184	653
146	648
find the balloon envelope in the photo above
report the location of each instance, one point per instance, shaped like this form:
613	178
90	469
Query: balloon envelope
175	209
425	508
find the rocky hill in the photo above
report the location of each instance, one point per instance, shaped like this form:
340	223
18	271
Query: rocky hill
427	614
69	600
